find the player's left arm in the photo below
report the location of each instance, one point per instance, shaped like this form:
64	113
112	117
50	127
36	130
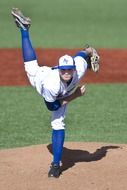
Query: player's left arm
91	56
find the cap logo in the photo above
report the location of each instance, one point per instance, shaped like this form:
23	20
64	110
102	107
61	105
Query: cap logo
65	61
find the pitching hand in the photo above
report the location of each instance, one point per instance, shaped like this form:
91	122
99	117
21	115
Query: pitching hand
80	91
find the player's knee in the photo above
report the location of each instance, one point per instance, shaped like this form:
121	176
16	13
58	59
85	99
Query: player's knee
56	125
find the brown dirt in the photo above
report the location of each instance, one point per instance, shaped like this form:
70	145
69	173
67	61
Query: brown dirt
89	166
113	67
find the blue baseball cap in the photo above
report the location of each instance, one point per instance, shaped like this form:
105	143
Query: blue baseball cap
65	62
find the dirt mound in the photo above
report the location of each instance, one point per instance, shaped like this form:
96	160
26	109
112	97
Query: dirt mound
89	166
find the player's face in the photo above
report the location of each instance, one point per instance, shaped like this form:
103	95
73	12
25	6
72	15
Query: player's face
66	74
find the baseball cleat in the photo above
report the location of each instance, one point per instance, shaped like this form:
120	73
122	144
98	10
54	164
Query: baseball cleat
54	171
20	20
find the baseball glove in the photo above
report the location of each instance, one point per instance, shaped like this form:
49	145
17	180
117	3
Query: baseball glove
93	59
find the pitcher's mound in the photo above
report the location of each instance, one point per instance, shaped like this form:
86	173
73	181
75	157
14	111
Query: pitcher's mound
89	166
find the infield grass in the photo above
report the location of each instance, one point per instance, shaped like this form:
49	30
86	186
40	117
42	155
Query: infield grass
99	116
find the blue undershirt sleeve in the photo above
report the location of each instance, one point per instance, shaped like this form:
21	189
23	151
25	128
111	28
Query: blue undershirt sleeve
82	54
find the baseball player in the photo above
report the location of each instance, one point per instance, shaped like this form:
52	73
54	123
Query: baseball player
57	85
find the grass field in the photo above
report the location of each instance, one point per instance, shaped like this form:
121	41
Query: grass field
98	116
68	23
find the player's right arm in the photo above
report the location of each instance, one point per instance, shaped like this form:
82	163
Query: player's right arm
80	91
55	105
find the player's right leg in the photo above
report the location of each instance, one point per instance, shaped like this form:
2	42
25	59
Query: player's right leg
29	56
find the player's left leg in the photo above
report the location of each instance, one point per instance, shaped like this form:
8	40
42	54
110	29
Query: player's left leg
27	49
58	136
23	23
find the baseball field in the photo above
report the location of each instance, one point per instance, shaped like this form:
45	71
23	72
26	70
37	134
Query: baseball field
95	149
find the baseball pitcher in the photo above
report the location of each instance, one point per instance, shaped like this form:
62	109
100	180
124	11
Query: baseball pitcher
57	85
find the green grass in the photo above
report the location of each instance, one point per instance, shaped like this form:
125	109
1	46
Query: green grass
99	116
68	23
24	120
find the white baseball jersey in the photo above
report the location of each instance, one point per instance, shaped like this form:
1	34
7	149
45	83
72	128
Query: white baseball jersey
47	80
48	84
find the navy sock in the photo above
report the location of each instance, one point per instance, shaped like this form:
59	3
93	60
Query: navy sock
57	145
27	49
